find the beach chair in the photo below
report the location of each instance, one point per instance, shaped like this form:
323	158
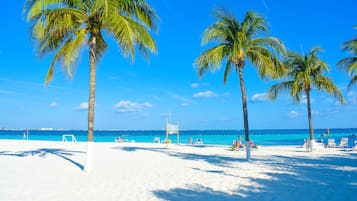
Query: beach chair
311	145
199	141
343	143
354	148
157	140
331	143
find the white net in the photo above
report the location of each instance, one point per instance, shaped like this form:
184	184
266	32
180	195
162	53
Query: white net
172	129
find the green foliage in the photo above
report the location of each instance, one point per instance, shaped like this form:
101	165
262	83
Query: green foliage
305	72
238	42
65	26
349	64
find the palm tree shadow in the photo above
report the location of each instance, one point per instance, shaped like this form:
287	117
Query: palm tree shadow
195	192
327	178
62	153
217	160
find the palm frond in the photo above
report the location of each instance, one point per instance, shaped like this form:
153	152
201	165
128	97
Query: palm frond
227	70
327	84
271	42
253	23
279	88
211	58
352	82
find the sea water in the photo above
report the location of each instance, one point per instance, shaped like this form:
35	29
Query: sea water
218	137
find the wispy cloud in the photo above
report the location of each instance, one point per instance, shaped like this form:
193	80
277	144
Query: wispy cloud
27	84
184	104
184	100
195	85
293	114
204	94
53	104
82	106
129	106
259	97
7	92
304	99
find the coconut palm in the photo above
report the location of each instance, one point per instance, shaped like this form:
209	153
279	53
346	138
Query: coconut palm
64	27
349	64
304	73
237	43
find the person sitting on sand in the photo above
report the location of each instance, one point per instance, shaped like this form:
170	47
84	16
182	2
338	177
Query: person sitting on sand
237	144
252	145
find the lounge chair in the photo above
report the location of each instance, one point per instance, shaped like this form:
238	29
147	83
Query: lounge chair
199	141
331	143
313	145
354	148
343	143
157	140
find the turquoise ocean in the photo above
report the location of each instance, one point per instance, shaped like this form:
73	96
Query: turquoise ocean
218	137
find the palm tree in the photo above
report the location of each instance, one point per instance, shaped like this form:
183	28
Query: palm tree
349	64
236	43
305	72
64	27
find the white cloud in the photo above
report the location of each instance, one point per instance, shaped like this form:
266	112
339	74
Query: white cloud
351	93
8	92
259	97
129	106
82	106
184	104
303	99
181	98
53	104
205	94
195	85
293	114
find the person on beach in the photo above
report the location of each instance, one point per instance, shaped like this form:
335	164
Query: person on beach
25	136
190	140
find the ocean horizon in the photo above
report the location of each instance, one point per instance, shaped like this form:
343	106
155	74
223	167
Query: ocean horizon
272	137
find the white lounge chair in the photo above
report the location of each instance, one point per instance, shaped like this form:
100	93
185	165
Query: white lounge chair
311	145
343	143
157	140
331	143
354	148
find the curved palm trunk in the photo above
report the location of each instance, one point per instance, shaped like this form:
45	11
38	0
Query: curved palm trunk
245	111
309	115
92	86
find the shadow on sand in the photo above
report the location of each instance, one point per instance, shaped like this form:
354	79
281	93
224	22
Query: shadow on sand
217	160
62	153
328	178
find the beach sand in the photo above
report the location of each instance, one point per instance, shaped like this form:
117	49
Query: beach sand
51	171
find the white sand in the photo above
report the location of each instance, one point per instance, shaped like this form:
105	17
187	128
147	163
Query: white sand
51	171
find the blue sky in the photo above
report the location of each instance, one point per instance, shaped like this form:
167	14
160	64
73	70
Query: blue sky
140	95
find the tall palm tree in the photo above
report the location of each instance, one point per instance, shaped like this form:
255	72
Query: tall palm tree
349	64
64	27
236	43
304	73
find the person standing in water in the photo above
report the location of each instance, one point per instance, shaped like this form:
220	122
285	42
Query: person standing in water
26	135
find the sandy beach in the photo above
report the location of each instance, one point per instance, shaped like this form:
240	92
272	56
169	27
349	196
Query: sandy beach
50	171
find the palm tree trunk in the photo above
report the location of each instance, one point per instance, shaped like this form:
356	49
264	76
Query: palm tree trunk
309	115
91	104
245	111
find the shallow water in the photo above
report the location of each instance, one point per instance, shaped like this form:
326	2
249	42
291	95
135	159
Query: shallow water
219	137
